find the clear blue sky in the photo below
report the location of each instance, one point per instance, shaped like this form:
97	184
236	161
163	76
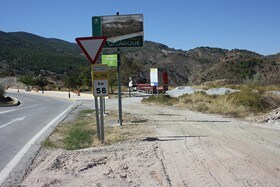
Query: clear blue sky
181	24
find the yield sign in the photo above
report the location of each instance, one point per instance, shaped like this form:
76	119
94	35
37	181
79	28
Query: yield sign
92	46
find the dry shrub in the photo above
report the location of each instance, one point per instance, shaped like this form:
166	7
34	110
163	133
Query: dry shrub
201	107
198	101
238	104
249	98
196	97
272	100
161	99
227	106
126	132
81	132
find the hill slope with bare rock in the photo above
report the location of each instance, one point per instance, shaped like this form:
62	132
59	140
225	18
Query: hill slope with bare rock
22	52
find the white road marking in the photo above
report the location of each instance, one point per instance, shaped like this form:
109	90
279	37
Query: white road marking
14	120
12	164
7	111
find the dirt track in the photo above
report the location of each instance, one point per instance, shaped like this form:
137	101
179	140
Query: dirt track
188	149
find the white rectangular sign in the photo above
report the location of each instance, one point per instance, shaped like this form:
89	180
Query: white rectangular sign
100	88
154	76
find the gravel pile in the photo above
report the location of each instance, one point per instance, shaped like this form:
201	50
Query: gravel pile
181	90
274	118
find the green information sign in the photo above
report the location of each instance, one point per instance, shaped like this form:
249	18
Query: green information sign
96	26
120	30
110	60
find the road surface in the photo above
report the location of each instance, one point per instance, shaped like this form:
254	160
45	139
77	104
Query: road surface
188	149
21	126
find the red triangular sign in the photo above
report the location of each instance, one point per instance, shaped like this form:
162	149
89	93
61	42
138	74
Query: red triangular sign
91	46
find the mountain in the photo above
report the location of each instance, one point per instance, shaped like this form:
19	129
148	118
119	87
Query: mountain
22	52
208	64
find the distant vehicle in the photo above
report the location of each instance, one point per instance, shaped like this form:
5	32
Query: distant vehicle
147	88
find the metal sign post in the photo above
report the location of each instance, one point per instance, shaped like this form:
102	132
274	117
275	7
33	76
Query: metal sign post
101	121
97	118
119	87
96	111
100	76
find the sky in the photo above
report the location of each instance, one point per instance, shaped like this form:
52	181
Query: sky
181	24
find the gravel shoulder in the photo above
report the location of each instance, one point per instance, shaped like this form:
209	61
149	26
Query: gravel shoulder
186	149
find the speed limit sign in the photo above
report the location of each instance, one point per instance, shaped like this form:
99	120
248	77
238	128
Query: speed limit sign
100	80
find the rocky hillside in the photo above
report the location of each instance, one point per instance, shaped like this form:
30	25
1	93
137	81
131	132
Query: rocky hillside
208	64
22	52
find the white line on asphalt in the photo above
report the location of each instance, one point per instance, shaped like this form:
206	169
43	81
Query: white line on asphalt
14	120
12	164
19	109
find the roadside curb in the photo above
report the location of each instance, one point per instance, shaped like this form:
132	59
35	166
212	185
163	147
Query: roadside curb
57	94
15	102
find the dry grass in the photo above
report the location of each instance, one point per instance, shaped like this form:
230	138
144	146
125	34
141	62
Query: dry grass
161	99
81	132
247	102
227	106
238	104
249	85
125	132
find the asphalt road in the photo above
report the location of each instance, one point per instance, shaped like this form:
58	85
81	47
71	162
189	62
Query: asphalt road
25	124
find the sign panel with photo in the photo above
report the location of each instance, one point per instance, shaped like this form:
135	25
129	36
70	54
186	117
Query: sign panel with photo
121	30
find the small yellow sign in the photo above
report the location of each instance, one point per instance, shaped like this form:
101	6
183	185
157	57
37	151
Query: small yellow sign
100	75
100	72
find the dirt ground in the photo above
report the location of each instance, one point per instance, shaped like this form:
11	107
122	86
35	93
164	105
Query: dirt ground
187	149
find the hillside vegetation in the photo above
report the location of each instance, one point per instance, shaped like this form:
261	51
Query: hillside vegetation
24	53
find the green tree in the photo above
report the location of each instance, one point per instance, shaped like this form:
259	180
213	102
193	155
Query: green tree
72	81
27	80
113	79
41	82
85	77
2	93
69	82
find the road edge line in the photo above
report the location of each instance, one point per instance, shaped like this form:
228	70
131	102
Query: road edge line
12	164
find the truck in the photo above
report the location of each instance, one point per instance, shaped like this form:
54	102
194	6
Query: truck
147	88
150	89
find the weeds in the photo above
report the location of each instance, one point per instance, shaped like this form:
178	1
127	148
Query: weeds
161	99
48	143
250	100
249	85
76	134
125	132
81	133
78	138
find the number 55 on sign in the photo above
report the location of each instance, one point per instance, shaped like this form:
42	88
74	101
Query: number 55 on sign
100	80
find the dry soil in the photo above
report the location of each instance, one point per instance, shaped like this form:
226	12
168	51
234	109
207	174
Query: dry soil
187	149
